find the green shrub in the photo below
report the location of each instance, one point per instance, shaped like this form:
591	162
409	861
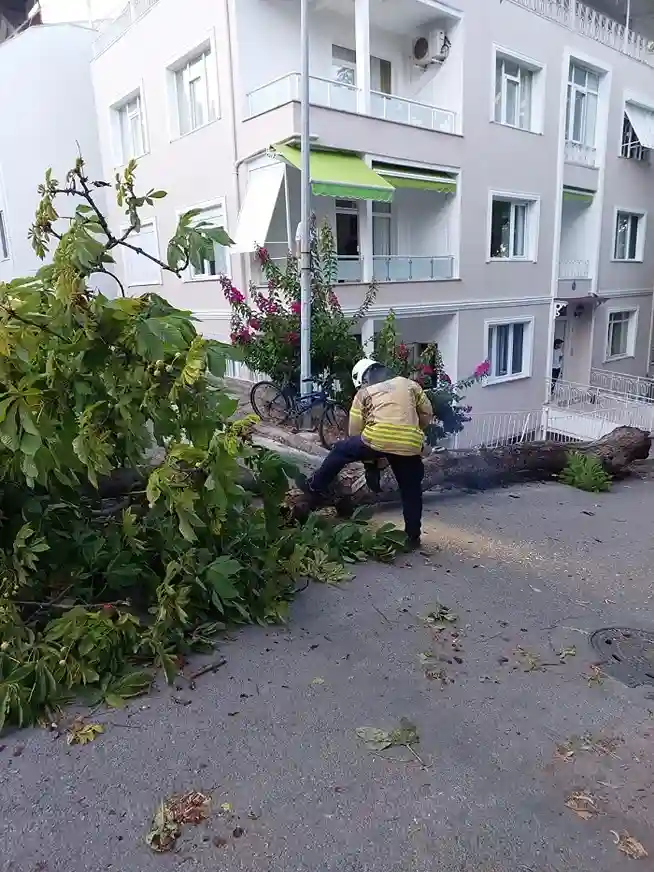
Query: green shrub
585	472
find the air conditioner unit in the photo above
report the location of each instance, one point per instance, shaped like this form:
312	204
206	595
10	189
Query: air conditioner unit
432	49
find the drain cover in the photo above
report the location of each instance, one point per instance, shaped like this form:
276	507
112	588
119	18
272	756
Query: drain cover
627	655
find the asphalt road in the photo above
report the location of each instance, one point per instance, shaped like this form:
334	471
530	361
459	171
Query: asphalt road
530	572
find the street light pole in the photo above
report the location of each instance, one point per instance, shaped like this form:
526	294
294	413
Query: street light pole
305	207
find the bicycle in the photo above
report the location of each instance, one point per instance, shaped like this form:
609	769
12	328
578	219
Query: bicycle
278	404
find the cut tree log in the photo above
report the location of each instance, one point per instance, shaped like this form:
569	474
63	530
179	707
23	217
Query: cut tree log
482	468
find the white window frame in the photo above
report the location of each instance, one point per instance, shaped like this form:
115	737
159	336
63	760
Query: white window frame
537	71
118	111
572	89
527	349
4	237
640	235
630	145
133	240
177	67
532	218
632	332
217	205
383	212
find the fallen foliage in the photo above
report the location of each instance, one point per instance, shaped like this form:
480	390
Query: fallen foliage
189	808
629	845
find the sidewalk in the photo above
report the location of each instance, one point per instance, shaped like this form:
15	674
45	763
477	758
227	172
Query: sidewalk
273	732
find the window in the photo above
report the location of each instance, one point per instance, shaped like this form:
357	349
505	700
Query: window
621	335
347	229
217	264
511	229
344	69
628	233
196	92
4	245
132	129
139	270
509	350
381	229
513	93
631	146
581	108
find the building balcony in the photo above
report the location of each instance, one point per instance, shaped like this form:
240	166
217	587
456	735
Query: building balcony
574	279
347	98
114	29
594	24
574	269
578	153
407	268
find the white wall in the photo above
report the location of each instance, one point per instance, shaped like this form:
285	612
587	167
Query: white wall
576	243
638	363
46	112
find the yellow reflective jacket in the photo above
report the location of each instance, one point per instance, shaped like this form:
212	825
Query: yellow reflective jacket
391	416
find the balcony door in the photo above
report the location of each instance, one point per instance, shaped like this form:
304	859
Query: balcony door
347	240
581	109
344	70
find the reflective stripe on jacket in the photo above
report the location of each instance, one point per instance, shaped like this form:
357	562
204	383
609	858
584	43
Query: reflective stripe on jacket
391	416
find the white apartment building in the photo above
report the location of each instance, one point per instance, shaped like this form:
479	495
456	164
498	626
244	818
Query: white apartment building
486	162
47	113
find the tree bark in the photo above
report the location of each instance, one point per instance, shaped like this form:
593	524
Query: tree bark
483	468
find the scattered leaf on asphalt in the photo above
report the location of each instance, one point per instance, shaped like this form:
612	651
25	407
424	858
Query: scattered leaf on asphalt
582	804
530	662
440	614
81	733
164	831
189	808
219	842
629	846
226	807
316	681
567	652
595	678
238	832
564	752
380	740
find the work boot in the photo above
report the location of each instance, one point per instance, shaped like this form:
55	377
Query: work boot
413	543
373	477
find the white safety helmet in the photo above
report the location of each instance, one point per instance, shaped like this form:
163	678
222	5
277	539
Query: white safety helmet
360	369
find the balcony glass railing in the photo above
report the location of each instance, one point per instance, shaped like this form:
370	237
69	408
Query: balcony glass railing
350	269
404	268
578	153
574	269
339	95
594	25
405	111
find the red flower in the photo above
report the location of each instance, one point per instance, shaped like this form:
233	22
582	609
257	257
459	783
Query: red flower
402	351
296	308
254	323
483	369
426	369
293	337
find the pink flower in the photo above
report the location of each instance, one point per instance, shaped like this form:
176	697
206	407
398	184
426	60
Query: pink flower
293	337
241	336
254	323
483	369
426	369
296	308
444	377
263	255
402	351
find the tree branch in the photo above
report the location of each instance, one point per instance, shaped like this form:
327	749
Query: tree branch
28	323
102	269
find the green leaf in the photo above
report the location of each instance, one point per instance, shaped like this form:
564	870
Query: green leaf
158	195
114	701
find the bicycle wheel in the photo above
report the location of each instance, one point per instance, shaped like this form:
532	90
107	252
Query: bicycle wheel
333	424
269	403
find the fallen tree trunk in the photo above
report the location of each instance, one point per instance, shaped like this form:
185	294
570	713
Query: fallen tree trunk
484	468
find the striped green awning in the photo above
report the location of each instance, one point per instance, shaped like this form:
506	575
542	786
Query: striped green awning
337	174
576	194
418	179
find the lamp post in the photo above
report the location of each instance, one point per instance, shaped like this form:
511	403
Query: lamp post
305	207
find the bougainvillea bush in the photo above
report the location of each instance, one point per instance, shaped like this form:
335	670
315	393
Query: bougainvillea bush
451	412
267	325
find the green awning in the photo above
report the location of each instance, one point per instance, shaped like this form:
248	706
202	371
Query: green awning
572	194
420	180
336	174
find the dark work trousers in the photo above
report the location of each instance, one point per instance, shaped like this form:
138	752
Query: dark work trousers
556	374
408	471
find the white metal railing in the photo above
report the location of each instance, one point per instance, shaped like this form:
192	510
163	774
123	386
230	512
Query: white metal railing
341	95
114	29
619	409
632	386
574	269
490	429
393	108
595	25
322	92
578	153
406	268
